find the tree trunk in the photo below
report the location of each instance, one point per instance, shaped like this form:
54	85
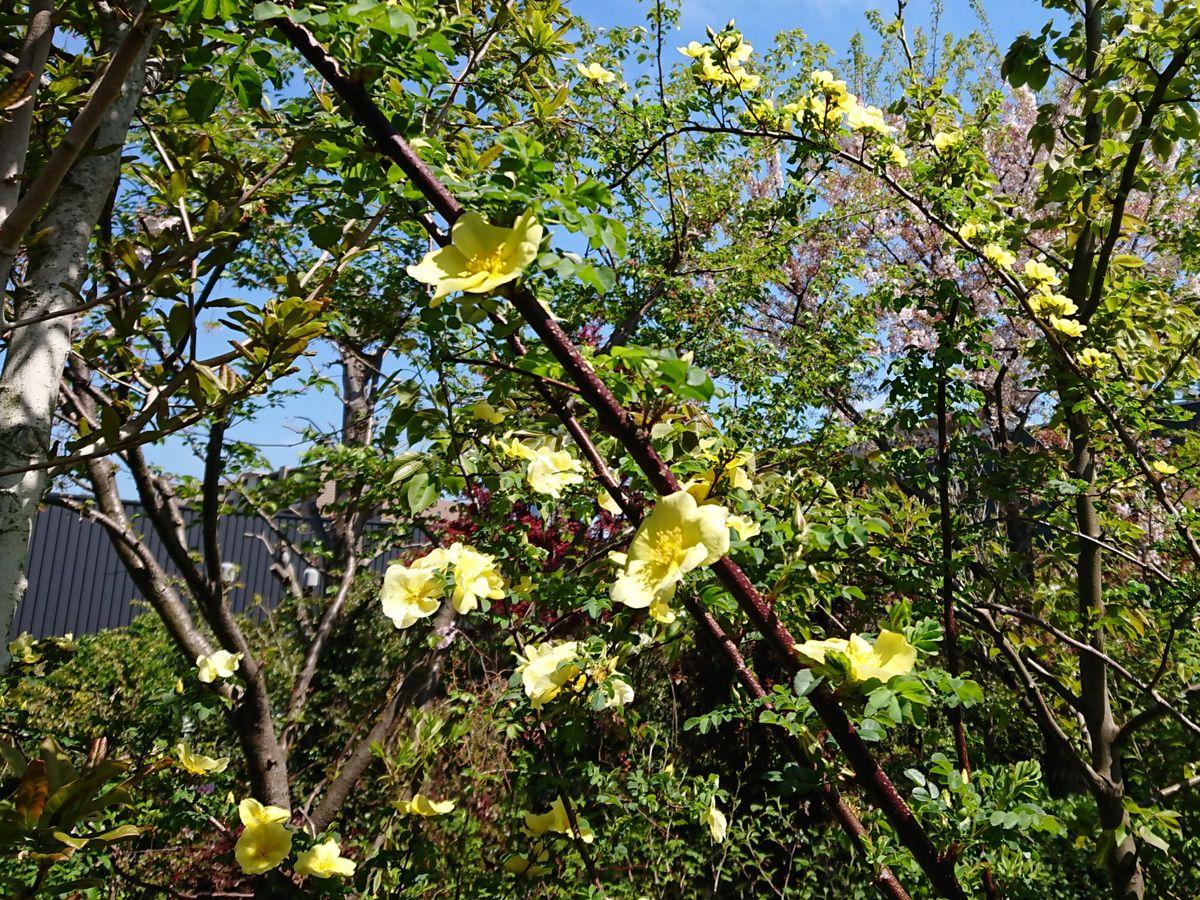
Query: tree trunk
1124	865
36	353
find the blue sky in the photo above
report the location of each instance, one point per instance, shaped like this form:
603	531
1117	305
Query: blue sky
830	21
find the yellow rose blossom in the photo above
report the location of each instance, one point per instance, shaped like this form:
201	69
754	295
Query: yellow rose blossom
968	231
999	256
868	119
1041	274
324	861
897	157
558	822
1045	305
410	593
514	448
678	536
485	412
221	664
1164	468
1092	360
660	609
546	668
722	62
595	72
253	813
745	528
745	81
1068	327
22	649
439	558
198	763
475	577
716	822
261	848
944	140
733	473
481	257
622	694
731	44
525	867
422	806
890	655
824	82
552	470
607	503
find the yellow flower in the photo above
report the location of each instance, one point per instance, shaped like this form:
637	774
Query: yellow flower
557	821
890	655
22	649
423	806
1164	468
522	866
1041	274
868	119
252	813
607	503
262	847
1092	360
744	80
721	62
745	528
324	861
198	764
515	449
660	609
481	257
717	824
677	537
826	84
733	473
475	576
897	157
411	593
1069	327
999	256
221	664
485	412
731	44
944	140
622	694
1046	304
595	72
968	231
546	668
552	470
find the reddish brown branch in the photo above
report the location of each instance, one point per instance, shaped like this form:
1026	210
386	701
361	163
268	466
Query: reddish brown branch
617	421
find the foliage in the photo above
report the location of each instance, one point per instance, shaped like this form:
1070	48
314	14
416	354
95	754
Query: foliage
918	346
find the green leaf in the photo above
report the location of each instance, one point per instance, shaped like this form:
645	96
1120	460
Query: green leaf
263	11
120	833
202	99
421	494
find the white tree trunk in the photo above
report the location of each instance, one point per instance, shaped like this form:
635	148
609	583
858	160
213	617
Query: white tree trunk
33	363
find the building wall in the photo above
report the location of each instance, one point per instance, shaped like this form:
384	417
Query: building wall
78	584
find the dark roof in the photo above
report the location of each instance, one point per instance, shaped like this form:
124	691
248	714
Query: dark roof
78	584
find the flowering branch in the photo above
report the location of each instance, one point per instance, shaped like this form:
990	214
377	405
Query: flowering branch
617	421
